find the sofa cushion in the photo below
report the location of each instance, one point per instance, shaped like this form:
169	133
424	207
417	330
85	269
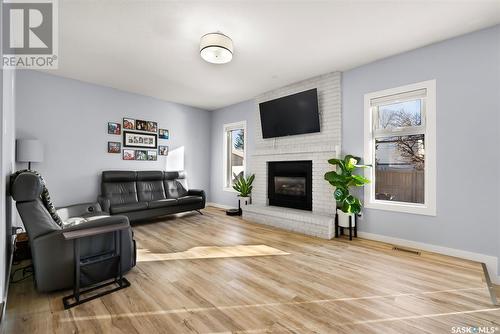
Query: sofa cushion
95	215
120	192
150	190
86	217
162	203
174	189
189	199
150	186
121	208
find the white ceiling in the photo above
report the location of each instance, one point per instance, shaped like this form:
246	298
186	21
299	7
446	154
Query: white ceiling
151	47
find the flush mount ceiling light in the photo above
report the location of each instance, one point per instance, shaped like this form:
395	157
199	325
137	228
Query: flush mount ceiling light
216	48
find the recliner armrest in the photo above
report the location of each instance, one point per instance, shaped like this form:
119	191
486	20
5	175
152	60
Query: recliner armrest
197	192
105	203
93	231
57	235
78	210
108	220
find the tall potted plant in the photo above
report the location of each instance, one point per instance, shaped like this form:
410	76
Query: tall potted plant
244	187
342	179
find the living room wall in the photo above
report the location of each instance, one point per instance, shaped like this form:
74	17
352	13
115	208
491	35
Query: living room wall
70	118
467	73
7	209
243	111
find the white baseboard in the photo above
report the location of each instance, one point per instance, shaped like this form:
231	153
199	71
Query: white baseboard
220	206
490	261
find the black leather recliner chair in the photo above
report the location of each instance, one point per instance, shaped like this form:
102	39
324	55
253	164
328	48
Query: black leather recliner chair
53	257
148	194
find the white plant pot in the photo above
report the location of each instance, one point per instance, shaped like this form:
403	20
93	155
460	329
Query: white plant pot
344	218
244	200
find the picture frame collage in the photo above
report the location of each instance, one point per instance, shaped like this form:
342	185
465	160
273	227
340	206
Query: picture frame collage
140	139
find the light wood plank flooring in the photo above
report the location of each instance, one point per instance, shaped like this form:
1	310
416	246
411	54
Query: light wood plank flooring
219	274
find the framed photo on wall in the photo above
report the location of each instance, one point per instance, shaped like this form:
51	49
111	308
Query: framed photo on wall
128	154
147	126
114	147
152	127
163	133
152	155
162	150
141	125
114	128
141	155
139	139
128	124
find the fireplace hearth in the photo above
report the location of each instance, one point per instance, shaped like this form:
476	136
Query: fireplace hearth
290	184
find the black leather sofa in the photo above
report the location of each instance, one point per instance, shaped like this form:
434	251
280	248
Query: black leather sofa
142	195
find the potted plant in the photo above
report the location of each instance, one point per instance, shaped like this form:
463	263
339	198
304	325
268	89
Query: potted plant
244	187
342	179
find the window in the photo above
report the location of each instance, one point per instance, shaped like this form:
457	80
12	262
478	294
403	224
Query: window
400	144
234	153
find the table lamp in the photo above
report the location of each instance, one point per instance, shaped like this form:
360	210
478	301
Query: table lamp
29	150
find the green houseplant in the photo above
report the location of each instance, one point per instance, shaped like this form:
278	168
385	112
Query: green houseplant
243	185
343	179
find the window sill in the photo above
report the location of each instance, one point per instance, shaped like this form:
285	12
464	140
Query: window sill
418	209
230	190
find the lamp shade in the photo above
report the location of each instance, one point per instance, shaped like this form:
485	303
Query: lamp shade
29	150
216	48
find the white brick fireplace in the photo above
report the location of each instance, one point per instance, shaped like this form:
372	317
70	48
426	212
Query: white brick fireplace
317	147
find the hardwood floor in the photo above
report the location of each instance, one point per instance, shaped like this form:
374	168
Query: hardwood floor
219	274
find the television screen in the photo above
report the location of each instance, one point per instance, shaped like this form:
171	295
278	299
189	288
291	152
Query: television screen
290	115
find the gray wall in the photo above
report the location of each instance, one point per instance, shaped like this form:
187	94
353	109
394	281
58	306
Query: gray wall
243	111
7	138
70	118
467	73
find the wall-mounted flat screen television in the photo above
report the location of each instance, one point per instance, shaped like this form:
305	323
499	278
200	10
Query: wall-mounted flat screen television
290	115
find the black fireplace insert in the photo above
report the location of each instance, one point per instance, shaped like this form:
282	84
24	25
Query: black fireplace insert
289	184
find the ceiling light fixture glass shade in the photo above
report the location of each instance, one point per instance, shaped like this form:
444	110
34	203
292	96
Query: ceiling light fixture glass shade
216	48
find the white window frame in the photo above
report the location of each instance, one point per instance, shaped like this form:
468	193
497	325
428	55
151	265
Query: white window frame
429	122
226	128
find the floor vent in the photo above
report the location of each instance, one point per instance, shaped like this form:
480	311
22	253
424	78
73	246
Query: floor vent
406	250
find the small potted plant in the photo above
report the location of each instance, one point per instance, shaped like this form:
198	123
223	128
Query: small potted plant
342	179
244	187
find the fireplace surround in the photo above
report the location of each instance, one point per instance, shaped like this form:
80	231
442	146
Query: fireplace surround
290	184
315	147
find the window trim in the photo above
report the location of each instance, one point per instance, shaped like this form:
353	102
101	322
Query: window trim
429	207
226	128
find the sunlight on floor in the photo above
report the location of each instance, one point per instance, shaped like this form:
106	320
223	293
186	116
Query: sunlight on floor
210	252
295	303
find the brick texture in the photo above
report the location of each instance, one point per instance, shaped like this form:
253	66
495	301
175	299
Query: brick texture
318	147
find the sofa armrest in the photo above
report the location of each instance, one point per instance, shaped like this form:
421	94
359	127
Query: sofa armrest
108	220
78	210
197	192
89	232
104	202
